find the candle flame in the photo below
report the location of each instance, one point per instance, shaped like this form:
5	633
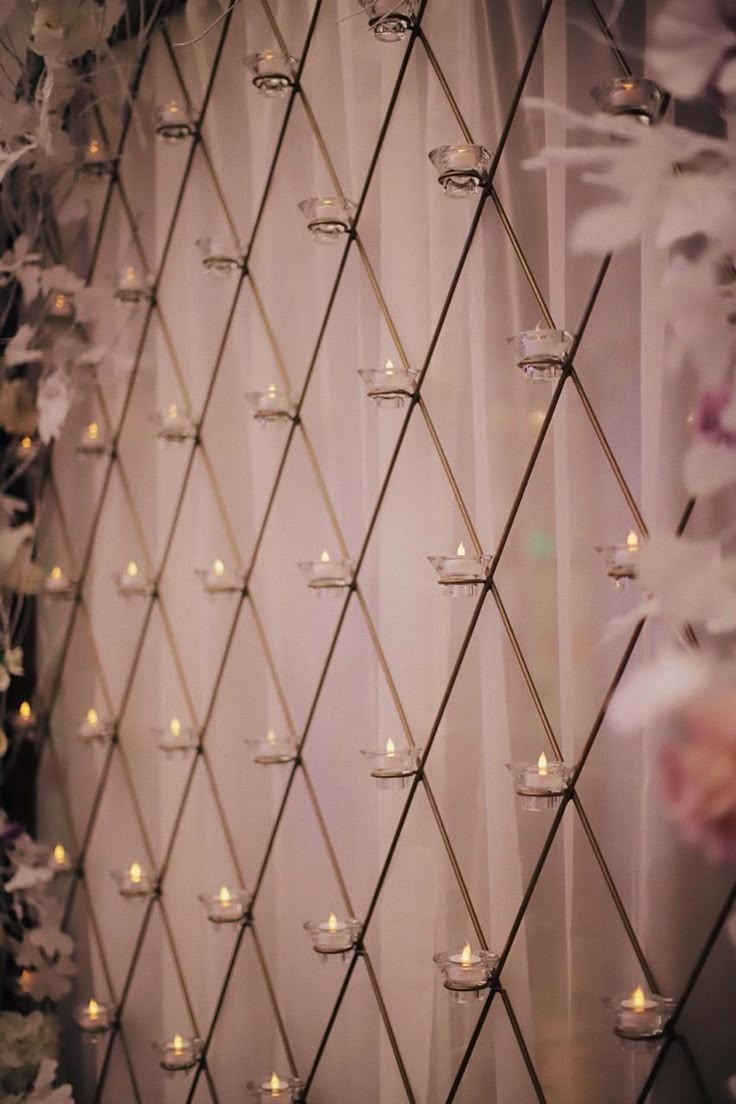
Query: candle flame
60	302
94	147
542	764
271	391
270	736
460	549
130	274
389	367
218	568
24	710
56	572
275	1083
632	541
465	955
136	873
93	1009
92	718
224	896
93	431
172	106
59	854
172	413
132	569
175	727
637	999
178	1044
390	747
325	557
26	442
332	922
24	981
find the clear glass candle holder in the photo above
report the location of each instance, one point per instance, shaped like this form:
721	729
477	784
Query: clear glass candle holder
226	906
174	122
273	73
328	217
61	306
638	97
60	860
327	575
390	20
180	1054
641	1016
95	1018
540	785
273	749
174	425
285	1090
461	573
97	162
93	443
221	256
132	583
463	169
334	936
177	737
389	386
133	882
271	405
540	354
622	560
467	972
393	767
219	579
94	729
57	586
133	287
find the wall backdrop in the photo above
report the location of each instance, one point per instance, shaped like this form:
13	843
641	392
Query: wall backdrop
581	903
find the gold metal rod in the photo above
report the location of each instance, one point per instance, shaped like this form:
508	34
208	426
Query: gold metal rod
327	841
274	1002
450	475
383	662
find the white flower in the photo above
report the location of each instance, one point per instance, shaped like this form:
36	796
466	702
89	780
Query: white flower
688	42
26	877
54	401
659	688
65	29
14	660
689	580
18	350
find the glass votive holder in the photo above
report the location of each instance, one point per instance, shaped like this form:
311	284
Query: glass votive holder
271	405
61	307
334	936
327	576
463	169
227	906
394	766
134	287
60	860
468	972
180	1054
132	584
219	579
273	73
283	1089
389	386
57	585
273	749
94	1019
221	256
328	217
540	785
134	882
93	443
461	573
177	737
638	97
541	353
174	122
390	20
641	1016
94	729
97	162
174	425
622	560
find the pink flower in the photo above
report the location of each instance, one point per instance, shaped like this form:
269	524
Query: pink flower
699	775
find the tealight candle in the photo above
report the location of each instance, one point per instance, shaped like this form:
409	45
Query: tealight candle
328	217
640	1016
96	163
180	1053
393	766
94	1018
275	1088
25	982
541	353
57	584
326	573
131	583
333	936
219	579
389	20
461	570
273	73
92	441
92	728
27	449
467	971
389	386
175	425
177	737
25	718
273	749
540	784
61	306
173	122
60	859
271	405
226	906
221	256
133	287
622	560
635	96
134	882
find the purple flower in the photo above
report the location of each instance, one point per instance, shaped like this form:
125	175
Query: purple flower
709	418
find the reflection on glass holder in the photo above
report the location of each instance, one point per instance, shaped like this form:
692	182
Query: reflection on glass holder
273	73
463	169
467	972
641	1016
635	96
218	579
460	574
221	256
327	576
97	163
273	749
132	584
174	425
177	737
60	861
134	287
57	586
540	785
390	20
174	122
227	906
94	1019
394	766
93	443
62	307
284	1090
133	882
621	559
95	730
272	405
334	936
328	217
541	353
389	386
180	1054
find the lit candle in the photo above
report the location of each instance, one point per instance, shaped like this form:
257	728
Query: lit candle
218	578
60	858
393	766
25	717
175	728
180	1053
546	777
25	982
94	1018
467	971
324	569
135	873
131	582
93	1010
173	122
273	749
134	882
26	444
91	727
92	441
56	581
274	1087
625	558
62	306
333	936
639	1016
226	906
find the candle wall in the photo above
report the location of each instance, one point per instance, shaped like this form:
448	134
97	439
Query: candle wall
313	837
